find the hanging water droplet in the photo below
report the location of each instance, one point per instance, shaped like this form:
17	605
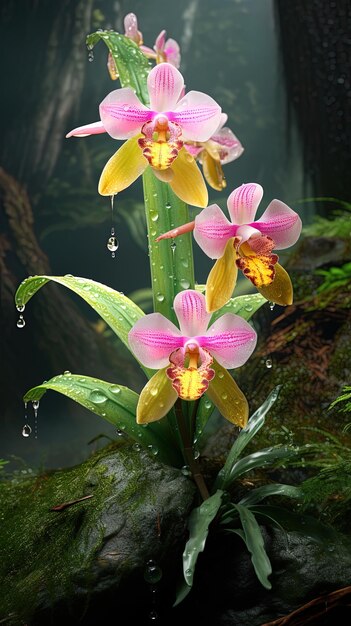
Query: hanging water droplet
269	364
152	572
112	243
271	305
26	430
90	56
20	307
35	404
21	322
160	297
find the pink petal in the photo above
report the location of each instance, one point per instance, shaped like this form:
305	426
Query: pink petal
172	52
190	309
223	120
212	231
160	41
89	129
153	338
280	223
122	113
131	28
243	202
151	54
230	340
198	115
164	84
193	149
228	145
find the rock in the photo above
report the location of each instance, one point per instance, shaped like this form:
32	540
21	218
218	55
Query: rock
66	566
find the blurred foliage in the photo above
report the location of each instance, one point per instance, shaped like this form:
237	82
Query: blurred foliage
339	223
334	277
345	400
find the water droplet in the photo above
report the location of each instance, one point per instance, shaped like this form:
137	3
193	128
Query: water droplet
153	450
21	322
188	572
154	216
173	247
185	470
115	389
153	615
271	305
90	56
97	396
248	308
152	572
35	404
154	391
196	453
20	307
66	373
112	244
137	447
120	432
269	364
185	283
208	404
224	396
160	297
220	374
26	430
168	205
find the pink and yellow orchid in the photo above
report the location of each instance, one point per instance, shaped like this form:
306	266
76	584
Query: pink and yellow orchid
185	358
163	51
156	134
245	244
223	147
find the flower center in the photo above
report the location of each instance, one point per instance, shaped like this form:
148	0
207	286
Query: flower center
189	379
161	142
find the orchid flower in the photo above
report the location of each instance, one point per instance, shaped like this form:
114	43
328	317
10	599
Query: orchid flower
185	358
163	51
245	244
223	147
156	134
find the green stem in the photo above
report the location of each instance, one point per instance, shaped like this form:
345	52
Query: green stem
193	463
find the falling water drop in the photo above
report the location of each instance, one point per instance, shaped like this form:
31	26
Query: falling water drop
35	405
90	53
152	572
21	322
20	307
26	430
271	305
269	364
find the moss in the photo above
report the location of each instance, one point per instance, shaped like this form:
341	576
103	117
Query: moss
47	547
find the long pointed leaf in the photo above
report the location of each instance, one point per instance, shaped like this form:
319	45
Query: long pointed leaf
277	489
254	424
296	522
118	311
115	403
255	544
199	520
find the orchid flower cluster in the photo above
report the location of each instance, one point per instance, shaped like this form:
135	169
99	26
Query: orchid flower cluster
188	346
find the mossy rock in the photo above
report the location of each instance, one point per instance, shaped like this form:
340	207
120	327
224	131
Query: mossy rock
57	565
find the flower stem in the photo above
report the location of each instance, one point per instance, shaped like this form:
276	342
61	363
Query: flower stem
193	463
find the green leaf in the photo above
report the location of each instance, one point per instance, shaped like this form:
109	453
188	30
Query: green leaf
254	424
203	414
255	544
245	306
199	520
171	264
295	522
257	459
115	403
277	489
114	308
132	65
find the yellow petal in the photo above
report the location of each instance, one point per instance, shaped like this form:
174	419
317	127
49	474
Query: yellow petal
222	279
160	154
188	183
213	171
123	168
190	382
280	290
156	399
228	398
258	265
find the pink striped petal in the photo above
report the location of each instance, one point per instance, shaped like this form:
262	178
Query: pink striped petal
89	129
198	115
190	309
280	223
153	338
160	41
212	231
243	202
230	340
122	113
228	145
165	84
172	52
